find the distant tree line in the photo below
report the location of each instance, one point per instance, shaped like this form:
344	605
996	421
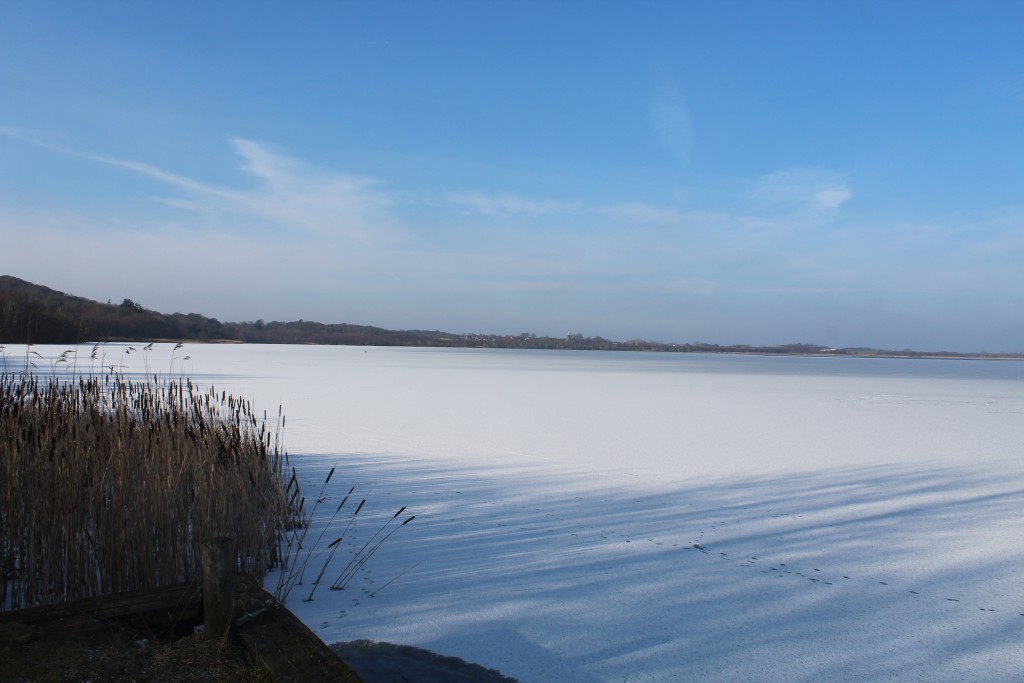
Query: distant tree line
36	314
39	315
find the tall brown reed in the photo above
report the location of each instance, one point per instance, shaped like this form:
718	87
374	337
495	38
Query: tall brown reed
111	485
295	557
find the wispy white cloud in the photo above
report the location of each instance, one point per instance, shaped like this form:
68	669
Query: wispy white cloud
47	139
286	194
178	203
641	212
832	197
802	188
42	138
294	195
156	173
508	204
671	122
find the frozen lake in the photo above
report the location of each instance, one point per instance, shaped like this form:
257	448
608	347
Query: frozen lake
587	516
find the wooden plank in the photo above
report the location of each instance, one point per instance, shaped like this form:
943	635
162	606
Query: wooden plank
218	568
176	601
273	636
286	648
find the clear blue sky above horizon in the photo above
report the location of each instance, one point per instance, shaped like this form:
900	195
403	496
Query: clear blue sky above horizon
842	173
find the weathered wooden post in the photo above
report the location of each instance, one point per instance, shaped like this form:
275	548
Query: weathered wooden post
218	568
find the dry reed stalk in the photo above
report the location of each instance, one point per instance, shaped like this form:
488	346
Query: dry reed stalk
363	555
111	485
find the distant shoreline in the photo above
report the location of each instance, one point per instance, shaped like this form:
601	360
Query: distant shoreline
31	313
724	351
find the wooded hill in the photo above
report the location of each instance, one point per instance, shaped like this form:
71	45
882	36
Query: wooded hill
31	313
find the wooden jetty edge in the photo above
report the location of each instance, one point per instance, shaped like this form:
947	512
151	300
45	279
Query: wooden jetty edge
274	637
283	645
167	608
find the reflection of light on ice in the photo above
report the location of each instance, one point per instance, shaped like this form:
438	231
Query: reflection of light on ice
594	517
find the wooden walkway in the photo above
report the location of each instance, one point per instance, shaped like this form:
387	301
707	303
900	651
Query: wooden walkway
273	636
177	607
286	648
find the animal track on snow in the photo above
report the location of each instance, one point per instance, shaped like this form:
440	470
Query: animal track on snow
780	569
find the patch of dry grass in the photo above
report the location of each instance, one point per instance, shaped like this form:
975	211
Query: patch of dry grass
119	651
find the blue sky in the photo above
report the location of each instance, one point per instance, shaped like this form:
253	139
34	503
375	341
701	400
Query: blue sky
842	173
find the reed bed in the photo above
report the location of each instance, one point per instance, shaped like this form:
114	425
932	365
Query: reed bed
110	484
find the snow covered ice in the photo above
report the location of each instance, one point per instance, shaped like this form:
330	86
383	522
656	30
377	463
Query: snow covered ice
635	517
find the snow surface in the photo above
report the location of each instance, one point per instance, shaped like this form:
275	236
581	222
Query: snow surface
635	517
